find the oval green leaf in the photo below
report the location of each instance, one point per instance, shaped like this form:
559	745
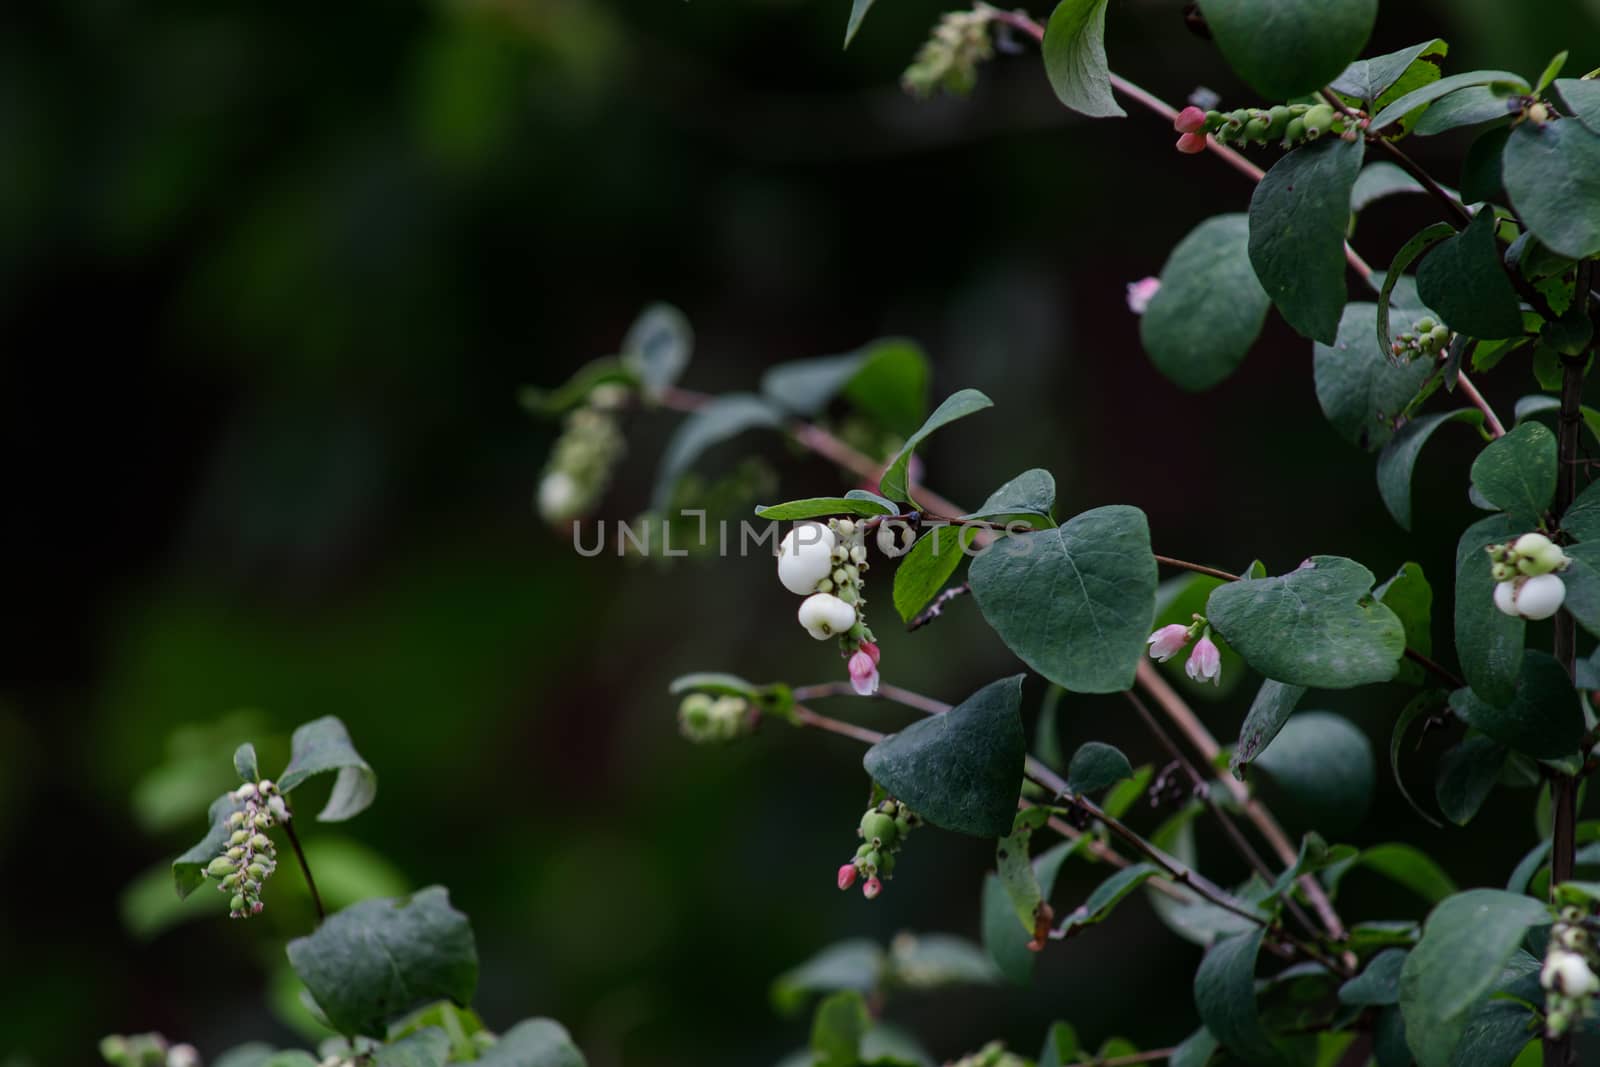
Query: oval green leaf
1210	307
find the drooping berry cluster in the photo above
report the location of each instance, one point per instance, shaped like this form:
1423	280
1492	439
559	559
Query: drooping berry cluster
827	565
1568	977
584	456
1288	124
705	719
1427	337
1525	571
249	857
883	831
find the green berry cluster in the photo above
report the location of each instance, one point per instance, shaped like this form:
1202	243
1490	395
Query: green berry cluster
1427	337
1288	124
707	720
249	856
1528	556
583	457
882	831
948	61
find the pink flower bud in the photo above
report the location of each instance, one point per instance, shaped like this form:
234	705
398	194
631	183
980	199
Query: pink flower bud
1190	120
871	888
847	876
1168	641
870	649
1205	662
1141	292
1192	144
863	673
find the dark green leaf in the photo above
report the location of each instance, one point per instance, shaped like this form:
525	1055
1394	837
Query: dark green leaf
1029	497
1480	171
1003	938
888	379
1463	280
1465	943
1488	641
935	961
1379	180
1367	79
1096	766
1426	94
1360	387
1108	894
894	483
657	347
1298	216
1195	1050
1582	97
1495	1032
1423	704
961	770
1286	48
1517	473
1074	602
1471	106
1410	597
1225	997
428	1047
245	763
1467	773
815	506
323	746
188	869
1552	176
1542	719
1075	58
856	964
719	419
1316	626
1324	765
1379	984
925	569
1398	460
1268	712
1061	1047
533	1043
1015	867
1582	578
380	958
1210	307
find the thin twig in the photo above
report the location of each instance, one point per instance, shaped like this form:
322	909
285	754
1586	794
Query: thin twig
806	717
925	704
1184	564
305	868
1447	675
1406	163
937	606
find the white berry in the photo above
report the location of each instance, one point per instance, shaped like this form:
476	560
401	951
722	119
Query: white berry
825	615
895	538
805	557
1540	596
1505	598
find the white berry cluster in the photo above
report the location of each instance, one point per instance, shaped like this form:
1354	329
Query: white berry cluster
705	719
1568	977
249	857
826	564
1525	571
583	457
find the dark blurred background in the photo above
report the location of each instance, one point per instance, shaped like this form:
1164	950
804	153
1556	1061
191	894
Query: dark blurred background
270	277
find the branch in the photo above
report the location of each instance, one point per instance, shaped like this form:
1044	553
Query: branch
936	608
305	868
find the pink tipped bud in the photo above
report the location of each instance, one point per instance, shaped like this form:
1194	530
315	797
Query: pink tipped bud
847	876
871	888
1168	641
863	673
1192	144
1190	120
1141	292
870	649
1205	662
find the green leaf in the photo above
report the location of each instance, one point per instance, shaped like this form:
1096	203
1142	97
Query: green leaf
1029	497
716	421
658	346
1582	97
1465	943
935	961
533	1043
1096	766
1195	1050
1415	246
713	682
1015	867
858	11
323	746
1480	170
1225	997
1360	388
1107	895
188	870
1298	216
245	763
816	506
1398	460
1423	704
429	1047
1488	641
1368	79
887	379
1472	106
1542	719
1061	1048
961	770
894	483
1004	939
1075	58
1552	176
1427	94
837	1028
1467	773
1582	578
1379	984
1401	864
548	403
1517	473
1462	279
1316	626
1074	602
855	964
1410	597
926	568
1324	765
1271	708
1378	181
1210	307
1551	69
1286	48
379	959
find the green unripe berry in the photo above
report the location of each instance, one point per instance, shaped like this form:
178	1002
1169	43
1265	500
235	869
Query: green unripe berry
1277	120
260	842
1213	120
219	867
237	903
1440	333
880	828
1318	120
1503	572
869	863
1256	128
236	819
235	853
1294	131
257	871
239	837
1531	544
1424	324
1528	565
886	865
